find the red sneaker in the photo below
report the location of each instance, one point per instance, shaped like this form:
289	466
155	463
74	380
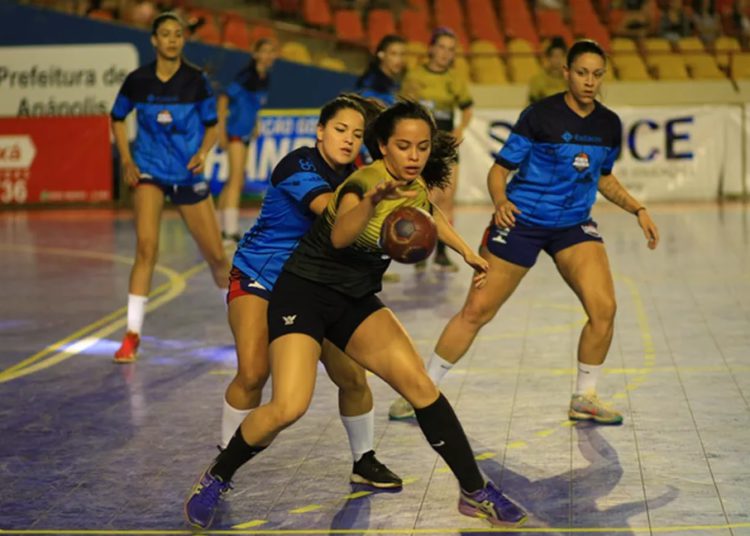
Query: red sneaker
128	349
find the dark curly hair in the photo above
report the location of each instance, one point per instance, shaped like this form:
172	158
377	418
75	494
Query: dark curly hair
443	150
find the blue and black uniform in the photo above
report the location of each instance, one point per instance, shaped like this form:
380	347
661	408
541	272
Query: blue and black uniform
172	117
247	94
374	83
285	217
560	157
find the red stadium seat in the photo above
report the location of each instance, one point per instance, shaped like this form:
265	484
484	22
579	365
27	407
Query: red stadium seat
348	26
380	23
483	23
449	13
414	25
317	12
236	33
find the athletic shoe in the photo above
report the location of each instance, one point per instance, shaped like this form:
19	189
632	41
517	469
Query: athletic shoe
368	470
401	410
128	349
588	407
200	507
444	264
490	503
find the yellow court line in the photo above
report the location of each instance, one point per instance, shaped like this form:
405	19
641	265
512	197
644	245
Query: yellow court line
113	321
484	530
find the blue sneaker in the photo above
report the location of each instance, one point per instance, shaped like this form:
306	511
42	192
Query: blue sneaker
490	503
200	507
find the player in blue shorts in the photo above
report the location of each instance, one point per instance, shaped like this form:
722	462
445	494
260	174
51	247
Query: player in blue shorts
328	290
563	148
176	113
301	186
238	117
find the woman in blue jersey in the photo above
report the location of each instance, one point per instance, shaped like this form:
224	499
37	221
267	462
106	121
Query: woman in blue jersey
238	118
176	113
563	148
327	290
301	186
382	78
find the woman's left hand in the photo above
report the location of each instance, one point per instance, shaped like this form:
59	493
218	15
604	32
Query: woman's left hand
480	266
650	231
197	163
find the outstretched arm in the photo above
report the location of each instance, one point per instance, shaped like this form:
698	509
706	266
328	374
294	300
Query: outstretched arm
615	192
448	234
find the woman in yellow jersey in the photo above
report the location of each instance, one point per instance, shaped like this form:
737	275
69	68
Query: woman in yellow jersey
328	290
440	88
550	80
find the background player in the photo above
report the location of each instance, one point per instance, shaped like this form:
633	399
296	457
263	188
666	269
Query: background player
440	88
176	113
238	119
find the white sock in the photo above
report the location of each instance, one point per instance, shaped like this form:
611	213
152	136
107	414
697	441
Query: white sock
231	220
437	368
361	432
587	377
231	419
136	312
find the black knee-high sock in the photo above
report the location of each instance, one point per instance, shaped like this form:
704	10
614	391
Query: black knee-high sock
440	426
237	453
440	247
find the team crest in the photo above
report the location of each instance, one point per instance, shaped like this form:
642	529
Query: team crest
581	162
164	117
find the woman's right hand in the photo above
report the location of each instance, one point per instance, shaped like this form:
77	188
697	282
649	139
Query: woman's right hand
130	173
505	213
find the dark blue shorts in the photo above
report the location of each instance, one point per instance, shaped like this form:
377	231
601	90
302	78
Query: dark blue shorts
180	194
521	244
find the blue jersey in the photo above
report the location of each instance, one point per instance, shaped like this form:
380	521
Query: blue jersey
285	217
559	156
247	94
171	120
374	83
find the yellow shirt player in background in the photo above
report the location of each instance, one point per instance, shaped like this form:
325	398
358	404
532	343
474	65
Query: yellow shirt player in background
550	80
438	87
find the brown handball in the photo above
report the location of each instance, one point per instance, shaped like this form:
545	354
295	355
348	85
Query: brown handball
408	235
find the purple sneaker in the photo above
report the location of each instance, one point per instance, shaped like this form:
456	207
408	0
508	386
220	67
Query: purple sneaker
490	503
201	505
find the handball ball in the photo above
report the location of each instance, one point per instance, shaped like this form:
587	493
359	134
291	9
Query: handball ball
408	235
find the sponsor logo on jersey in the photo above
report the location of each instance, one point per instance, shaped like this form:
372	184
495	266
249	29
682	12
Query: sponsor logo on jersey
581	162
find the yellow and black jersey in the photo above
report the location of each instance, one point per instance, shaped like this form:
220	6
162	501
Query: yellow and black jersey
356	270
441	92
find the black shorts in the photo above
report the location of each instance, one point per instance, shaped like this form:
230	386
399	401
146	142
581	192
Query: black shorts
299	305
521	244
180	194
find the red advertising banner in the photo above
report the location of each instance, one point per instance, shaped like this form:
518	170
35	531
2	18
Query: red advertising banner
55	160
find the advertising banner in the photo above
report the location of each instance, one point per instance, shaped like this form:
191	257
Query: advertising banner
63	80
279	132
667	154
55	159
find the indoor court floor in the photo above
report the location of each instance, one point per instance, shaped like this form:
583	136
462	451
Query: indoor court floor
90	447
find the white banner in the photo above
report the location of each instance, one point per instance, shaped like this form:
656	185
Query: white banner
668	153
63	79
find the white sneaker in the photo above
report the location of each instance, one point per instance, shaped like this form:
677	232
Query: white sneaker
401	410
